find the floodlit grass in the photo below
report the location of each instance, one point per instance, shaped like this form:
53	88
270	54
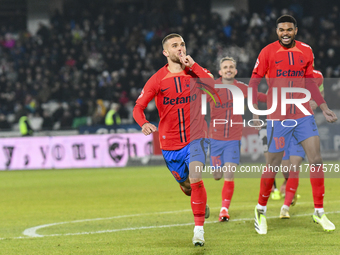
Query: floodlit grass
93	206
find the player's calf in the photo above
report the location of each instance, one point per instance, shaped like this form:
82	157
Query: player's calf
185	190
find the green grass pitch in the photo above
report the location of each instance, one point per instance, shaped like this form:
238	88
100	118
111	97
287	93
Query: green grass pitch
141	210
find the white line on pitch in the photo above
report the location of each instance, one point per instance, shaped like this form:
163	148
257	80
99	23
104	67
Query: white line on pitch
31	232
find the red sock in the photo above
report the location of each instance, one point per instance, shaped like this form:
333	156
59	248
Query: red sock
318	185
267	181
227	193
188	193
291	187
198	202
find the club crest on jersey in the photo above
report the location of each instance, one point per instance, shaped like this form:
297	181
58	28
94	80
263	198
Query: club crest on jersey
187	82
302	60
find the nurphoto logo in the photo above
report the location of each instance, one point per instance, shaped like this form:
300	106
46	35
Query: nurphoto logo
238	99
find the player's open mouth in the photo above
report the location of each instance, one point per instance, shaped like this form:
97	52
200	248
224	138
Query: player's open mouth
286	39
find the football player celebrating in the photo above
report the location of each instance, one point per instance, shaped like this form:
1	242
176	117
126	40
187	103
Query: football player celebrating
182	128
225	138
289	63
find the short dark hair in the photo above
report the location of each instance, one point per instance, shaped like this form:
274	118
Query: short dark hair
286	18
170	36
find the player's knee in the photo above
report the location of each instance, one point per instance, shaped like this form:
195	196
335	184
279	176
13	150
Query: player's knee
195	180
315	160
217	175
186	184
186	190
274	160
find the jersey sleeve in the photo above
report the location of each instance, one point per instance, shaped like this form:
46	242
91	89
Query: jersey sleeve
262	63
314	90
208	82
260	70
262	97
259	95
319	80
244	88
321	88
149	91
311	84
310	60
201	72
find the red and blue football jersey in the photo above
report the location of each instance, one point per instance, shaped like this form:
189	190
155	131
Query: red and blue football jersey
285	67
232	129
178	100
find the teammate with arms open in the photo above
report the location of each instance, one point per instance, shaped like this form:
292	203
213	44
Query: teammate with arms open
225	136
182	128
289	63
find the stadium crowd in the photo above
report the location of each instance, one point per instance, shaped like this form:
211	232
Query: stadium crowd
88	57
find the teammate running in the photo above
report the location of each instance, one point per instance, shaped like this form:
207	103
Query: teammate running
225	137
292	159
289	63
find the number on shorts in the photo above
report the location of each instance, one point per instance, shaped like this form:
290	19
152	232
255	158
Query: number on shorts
216	160
279	142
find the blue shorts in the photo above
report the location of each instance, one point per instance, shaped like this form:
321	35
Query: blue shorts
178	161
294	149
222	152
279	136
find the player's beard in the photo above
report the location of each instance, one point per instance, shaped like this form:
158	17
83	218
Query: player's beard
229	80
175	59
291	42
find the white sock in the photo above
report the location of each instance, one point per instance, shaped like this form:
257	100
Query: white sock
261	207
198	228
319	211
285	207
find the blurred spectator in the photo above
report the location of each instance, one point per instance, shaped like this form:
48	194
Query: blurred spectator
25	126
4	124
8	41
112	117
255	21
78	119
99	113
66	120
47	121
58	113
97	55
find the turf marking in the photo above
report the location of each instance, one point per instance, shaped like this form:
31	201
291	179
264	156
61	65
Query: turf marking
31	232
